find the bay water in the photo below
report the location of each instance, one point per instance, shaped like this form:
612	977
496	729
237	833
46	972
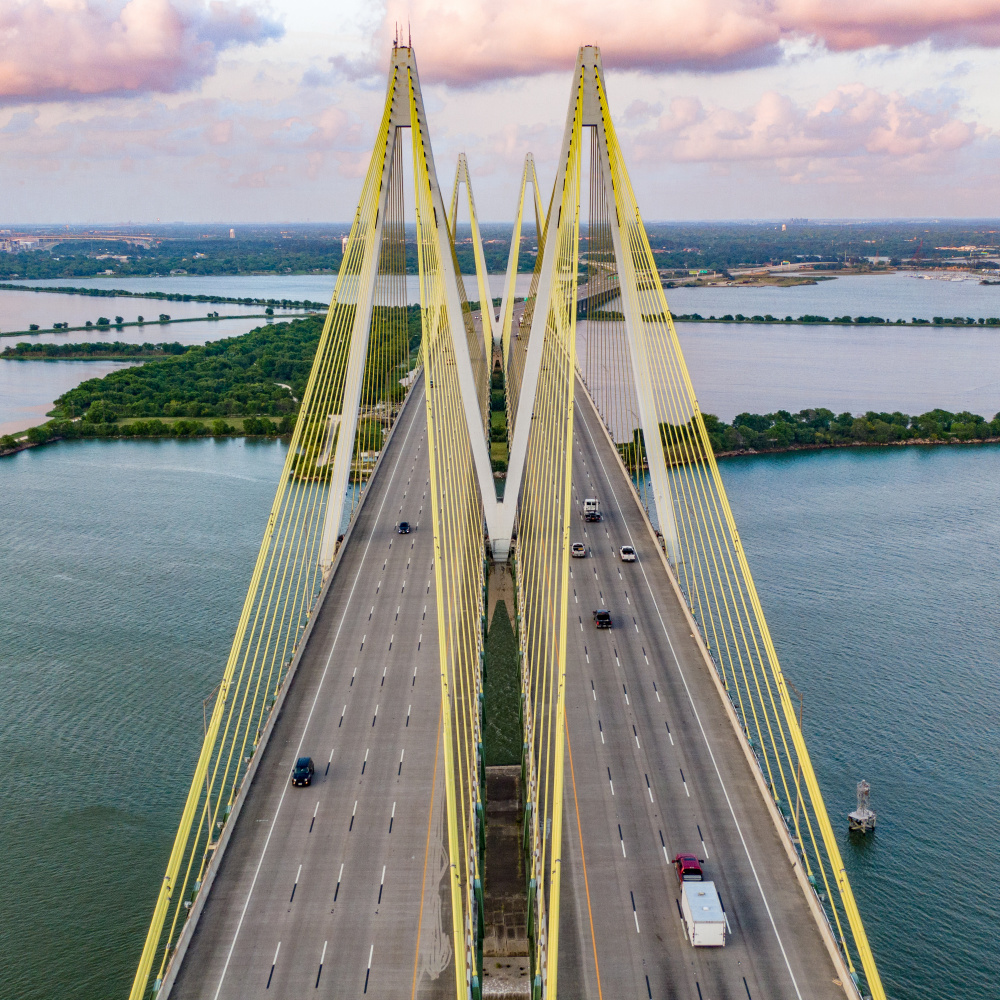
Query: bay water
125	564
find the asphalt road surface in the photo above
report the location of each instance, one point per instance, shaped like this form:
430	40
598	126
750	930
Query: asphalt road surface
655	770
339	889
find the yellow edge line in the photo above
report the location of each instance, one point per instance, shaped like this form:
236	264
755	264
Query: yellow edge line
427	851
583	859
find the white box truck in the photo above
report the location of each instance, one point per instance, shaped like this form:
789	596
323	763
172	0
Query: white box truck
591	509
704	919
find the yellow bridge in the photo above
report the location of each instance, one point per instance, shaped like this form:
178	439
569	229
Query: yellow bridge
361	645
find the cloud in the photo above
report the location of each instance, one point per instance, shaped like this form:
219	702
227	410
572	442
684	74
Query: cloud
850	122
71	49
466	42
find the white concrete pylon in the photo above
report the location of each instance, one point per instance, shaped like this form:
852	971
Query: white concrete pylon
397	100
588	71
491	327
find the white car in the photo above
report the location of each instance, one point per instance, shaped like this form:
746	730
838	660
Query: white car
628	553
578	550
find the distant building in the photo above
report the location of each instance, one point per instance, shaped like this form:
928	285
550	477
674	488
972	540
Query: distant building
232	234
343	243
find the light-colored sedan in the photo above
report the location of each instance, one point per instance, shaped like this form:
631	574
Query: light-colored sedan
578	550
628	553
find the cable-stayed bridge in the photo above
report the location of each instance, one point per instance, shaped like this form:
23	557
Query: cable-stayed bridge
363	647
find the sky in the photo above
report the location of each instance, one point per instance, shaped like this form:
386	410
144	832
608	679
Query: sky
115	111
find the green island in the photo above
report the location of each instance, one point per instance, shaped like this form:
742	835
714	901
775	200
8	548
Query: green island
813	429
251	386
608	315
103	323
166	296
97	351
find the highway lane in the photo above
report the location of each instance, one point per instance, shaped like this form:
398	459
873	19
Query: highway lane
339	889
655	768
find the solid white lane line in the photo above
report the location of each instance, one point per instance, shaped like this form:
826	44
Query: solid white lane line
701	727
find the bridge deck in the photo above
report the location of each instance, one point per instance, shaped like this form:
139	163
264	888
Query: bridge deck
363	658
657	769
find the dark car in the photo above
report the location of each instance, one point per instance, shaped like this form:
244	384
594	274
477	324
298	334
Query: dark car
302	773
403	527
688	868
602	618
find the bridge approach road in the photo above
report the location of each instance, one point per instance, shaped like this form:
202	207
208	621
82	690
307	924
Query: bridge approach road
339	889
655	769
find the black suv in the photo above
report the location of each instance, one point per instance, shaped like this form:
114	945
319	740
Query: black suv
302	773
403	527
602	618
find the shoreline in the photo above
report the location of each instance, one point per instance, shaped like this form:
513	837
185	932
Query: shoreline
94	328
922	442
23	444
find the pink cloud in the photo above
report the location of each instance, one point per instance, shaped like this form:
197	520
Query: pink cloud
465	42
850	121
66	49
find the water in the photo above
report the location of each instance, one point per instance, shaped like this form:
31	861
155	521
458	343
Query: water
314	287
877	570
900	295
760	369
27	388
125	565
879	575
19	309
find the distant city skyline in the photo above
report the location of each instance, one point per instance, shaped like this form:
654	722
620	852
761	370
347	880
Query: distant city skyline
232	113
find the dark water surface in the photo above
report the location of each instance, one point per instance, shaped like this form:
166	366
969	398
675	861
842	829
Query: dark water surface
123	566
879	573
